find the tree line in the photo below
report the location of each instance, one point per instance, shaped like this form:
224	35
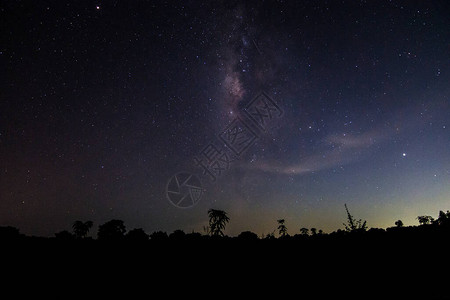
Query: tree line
217	222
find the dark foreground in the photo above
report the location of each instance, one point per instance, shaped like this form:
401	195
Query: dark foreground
401	263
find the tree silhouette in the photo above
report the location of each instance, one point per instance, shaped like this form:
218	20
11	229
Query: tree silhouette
282	230
193	236
443	219
159	236
178	234
425	220
81	229
218	220
313	231
270	236
111	230
137	234
304	231
353	224
399	223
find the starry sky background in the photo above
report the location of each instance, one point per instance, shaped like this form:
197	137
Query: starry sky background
101	102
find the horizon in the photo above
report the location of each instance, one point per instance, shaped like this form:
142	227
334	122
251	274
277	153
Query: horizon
93	233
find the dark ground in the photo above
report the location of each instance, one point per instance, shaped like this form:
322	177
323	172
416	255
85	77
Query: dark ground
399	263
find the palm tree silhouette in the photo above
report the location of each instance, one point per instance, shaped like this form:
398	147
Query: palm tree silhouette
282	230
218	219
81	229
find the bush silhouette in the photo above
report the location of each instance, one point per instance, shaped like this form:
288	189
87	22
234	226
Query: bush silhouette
248	236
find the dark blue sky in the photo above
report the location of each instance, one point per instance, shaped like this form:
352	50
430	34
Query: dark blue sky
102	103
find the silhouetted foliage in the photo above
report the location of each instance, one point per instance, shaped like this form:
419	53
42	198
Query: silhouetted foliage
270	235
159	236
207	230
111	230
81	229
178	234
218	220
399	223
193	236
354	225
304	231
282	229
115	230
425	220
248	236
339	251
443	219
137	234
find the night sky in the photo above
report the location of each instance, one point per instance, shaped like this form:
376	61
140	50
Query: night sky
267	110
